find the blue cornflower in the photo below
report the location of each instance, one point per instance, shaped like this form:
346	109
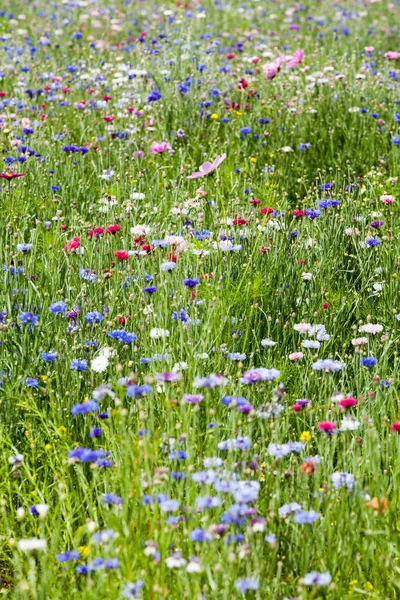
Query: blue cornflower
150	289
31	382
154	96
236	356
190	283
247	583
304	146
368	361
112	499
67	556
85	408
95	432
28	318
93	317
78	365
245	130
122	336
137	391
177	455
373	242
199	535
57	308
305	517
311	213
24	247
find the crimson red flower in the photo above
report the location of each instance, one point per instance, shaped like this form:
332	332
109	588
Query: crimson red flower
240	222
96	231
230	56
298	213
326	305
146	247
113	229
72	244
326	426
121	254
395	426
266	211
254	202
347	402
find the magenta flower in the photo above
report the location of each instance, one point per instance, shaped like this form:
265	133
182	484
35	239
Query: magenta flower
159	147
272	68
11	175
296	59
207	167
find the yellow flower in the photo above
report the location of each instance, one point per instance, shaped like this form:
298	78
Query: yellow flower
238	113
368	586
253	159
305	436
353	582
84	550
61	430
214	116
47	447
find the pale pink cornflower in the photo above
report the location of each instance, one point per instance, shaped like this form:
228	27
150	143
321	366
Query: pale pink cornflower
392	55
348	231
296	356
207	167
359	341
370	328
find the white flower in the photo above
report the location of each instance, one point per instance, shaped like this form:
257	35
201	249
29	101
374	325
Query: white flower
302	327
99	364
268	343
27	545
20	513
137	196
349	424
194	565
306	276
182	366
42	509
157	333
175	561
286	149
106	175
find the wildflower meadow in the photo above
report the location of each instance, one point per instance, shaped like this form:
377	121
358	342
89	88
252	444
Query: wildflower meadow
199	308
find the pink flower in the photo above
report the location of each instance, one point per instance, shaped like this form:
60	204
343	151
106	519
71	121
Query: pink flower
395	426
326	426
296	59
348	231
359	341
159	147
207	167
369	49
72	244
391	55
387	199
272	68
296	356
347	402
